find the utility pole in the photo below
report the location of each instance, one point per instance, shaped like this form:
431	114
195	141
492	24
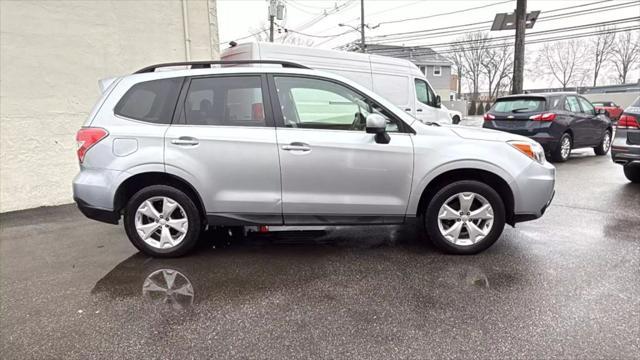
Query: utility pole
362	44
271	17
518	61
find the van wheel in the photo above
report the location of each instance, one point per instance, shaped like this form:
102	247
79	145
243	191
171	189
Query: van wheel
465	217
563	150
632	173
162	221
455	119
605	144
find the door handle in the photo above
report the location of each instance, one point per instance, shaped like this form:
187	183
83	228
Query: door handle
419	110
296	146
407	109
184	140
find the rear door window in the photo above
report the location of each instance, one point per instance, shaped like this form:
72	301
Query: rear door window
224	101
150	101
571	104
517	105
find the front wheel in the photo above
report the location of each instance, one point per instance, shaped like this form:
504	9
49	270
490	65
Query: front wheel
162	221
632	173
605	144
455	120
465	217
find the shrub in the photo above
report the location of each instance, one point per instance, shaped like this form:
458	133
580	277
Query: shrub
487	106
472	108
480	110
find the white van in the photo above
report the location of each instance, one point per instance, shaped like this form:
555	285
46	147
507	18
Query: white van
399	81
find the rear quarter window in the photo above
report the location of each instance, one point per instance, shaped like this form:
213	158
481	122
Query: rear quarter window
150	101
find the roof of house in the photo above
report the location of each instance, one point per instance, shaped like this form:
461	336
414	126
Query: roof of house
419	55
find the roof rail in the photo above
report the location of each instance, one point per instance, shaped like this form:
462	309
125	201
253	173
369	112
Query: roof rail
207	64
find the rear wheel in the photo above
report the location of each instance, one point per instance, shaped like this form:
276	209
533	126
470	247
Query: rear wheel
455	119
632	173
563	150
162	221
465	217
605	144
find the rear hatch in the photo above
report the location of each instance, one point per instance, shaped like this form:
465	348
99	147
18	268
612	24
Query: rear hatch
630	121
519	114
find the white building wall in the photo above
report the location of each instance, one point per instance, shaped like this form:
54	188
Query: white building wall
52	54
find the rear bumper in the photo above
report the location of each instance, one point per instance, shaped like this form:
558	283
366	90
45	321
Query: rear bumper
107	216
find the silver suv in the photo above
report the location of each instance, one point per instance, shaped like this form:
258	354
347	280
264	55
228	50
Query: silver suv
172	152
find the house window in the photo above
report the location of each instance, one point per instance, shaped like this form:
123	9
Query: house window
437	70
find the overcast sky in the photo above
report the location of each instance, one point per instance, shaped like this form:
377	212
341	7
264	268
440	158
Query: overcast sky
239	18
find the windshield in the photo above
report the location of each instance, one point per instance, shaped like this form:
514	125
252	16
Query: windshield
516	105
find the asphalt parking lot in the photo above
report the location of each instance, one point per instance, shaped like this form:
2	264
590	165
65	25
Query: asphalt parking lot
564	286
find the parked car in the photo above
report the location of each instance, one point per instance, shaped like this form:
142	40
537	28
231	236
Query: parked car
612	110
174	151
455	115
399	81
558	121
626	144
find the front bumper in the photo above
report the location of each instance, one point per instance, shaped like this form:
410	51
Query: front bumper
535	191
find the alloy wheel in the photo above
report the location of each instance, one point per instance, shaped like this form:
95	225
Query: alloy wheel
161	222
465	218
606	142
565	147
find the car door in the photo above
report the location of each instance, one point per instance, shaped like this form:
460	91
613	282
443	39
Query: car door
597	125
224	143
332	170
580	124
425	99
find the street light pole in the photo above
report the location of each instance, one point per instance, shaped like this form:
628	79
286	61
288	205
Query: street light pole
518	60
362	45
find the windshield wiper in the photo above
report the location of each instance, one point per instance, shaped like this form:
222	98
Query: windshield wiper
431	123
520	110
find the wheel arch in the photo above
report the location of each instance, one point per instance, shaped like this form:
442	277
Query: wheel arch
496	182
134	183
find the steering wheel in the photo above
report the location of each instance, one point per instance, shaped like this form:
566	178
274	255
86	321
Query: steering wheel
359	122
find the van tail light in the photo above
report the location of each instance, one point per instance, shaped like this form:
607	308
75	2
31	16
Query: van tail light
86	138
543	117
488	117
627	121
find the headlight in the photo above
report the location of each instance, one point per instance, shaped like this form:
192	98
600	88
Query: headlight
531	149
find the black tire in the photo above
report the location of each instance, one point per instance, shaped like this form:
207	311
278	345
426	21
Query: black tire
556	154
603	148
191	212
431	217
632	173
456	120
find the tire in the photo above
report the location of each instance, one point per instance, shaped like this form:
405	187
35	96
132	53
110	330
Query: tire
632	173
558	155
455	120
436	227
605	144
158	244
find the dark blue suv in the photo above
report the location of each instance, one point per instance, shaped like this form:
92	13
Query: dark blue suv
558	121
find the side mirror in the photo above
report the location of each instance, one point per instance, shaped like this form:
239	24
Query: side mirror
376	124
438	101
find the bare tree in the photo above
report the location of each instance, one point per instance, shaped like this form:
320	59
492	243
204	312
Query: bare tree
626	54
497	65
563	61
603	49
473	48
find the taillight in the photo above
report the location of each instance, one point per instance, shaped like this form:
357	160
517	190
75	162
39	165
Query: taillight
86	138
628	121
543	117
488	117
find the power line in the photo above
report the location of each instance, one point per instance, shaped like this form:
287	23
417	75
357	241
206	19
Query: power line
447	13
418	33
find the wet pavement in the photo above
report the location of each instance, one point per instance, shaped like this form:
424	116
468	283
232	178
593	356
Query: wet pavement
564	286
